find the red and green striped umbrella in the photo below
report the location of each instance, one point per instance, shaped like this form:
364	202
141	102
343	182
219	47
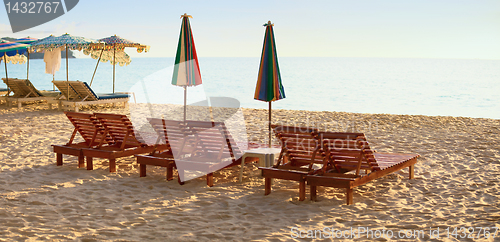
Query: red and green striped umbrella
186	69
269	87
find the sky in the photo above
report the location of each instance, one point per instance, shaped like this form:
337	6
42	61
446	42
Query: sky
463	29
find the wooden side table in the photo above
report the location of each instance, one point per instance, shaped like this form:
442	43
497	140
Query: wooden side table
266	157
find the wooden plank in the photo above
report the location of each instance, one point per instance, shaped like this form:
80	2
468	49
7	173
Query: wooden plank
339	182
282	174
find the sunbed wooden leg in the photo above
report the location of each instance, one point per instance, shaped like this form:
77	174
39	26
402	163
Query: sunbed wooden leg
112	165
302	190
19	104
179	175
59	158
142	170
81	161
90	164
267	186
349	196
170	171
411	171
313	193
210	179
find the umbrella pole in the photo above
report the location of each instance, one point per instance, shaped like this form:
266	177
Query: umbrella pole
67	76
114	63
96	67
28	66
5	62
6	76
185	101
270	110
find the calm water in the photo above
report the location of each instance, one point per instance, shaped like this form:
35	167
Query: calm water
447	87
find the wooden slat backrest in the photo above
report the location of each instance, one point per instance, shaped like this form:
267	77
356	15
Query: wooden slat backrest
165	129
299	144
88	127
23	88
212	139
17	86
66	90
32	89
121	130
83	91
347	151
197	138
9	84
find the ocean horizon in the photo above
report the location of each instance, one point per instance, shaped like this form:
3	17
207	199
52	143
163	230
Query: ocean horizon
415	86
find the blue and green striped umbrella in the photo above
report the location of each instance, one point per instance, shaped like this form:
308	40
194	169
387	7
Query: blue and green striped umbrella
269	87
186	69
12	52
12	48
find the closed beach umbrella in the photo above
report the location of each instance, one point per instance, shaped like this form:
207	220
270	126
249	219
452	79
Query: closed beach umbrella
113	51
269	87
186	69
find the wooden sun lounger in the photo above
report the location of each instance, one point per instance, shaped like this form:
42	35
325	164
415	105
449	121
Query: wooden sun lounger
23	91
67	91
300	151
354	154
89	129
81	95
125	142
195	146
164	158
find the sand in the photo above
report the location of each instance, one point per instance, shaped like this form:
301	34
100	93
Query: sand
456	185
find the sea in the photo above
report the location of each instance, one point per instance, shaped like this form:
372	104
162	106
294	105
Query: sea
436	87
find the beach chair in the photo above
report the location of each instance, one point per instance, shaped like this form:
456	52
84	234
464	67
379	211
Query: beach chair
23	91
89	129
195	146
125	142
67	91
80	94
163	158
354	154
300	152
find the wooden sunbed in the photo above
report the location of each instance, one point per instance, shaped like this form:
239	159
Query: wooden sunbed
67	91
89	129
300	151
23	91
163	158
195	146
353	153
125	142
80	94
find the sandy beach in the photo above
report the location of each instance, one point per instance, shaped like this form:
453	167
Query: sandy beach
456	185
